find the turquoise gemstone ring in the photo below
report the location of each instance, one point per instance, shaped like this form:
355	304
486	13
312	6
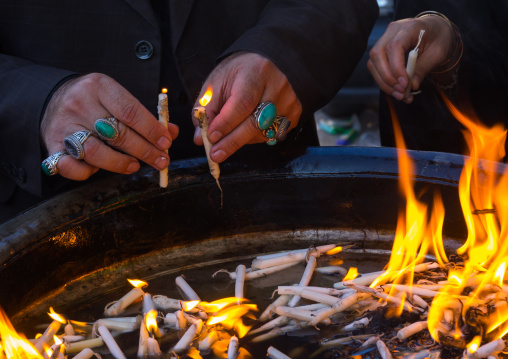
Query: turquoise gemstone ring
265	115
49	165
277	131
107	128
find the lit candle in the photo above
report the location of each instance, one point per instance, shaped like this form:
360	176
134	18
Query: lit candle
117	307
163	111
50	331
411	63
202	117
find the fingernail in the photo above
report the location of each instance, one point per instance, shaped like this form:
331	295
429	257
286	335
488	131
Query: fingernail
402	82
133	167
399	88
215	136
397	95
161	162
164	143
197	133
218	156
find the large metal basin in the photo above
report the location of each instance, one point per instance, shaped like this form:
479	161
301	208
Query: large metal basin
108	230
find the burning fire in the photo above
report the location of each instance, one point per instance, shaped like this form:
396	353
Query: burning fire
13	344
482	193
136	283
203	101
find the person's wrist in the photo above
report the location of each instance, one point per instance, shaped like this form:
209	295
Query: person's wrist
455	54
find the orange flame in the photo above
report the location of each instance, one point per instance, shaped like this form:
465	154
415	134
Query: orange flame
56	316
14	346
335	250
151	321
352	273
417	232
187	306
206	97
164	90
136	283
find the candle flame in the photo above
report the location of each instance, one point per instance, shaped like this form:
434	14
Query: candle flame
164	90
335	250
136	283
190	305
352	273
57	340
474	344
56	316
151	320
206	97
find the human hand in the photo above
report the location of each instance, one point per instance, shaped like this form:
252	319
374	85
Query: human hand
387	63
78	103
240	83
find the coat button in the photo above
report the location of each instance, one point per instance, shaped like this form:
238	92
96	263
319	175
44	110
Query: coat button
144	50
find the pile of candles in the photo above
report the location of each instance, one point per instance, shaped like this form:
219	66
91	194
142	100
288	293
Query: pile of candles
344	315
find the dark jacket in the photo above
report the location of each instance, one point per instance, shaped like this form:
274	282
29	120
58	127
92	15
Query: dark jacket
315	43
480	88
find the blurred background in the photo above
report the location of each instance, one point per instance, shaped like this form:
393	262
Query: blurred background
350	119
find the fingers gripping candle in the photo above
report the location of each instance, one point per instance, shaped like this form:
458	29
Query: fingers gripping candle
163	111
411	63
200	115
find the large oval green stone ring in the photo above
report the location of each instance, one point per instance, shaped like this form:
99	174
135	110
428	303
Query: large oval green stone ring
107	128
264	115
49	165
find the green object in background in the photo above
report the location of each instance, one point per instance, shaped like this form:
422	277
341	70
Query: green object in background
336	126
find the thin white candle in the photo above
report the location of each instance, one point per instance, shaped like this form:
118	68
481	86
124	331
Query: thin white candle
411	329
383	350
143	340
189	293
185	341
306	277
276	354
206	344
233	347
288	257
86	353
163	111
357	324
200	115
48	334
164	303
267	313
110	342
76	347
411	64
300	314
120	305
240	280
153	347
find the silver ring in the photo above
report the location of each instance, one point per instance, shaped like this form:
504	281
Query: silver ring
277	131
74	143
49	165
264	115
107	128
